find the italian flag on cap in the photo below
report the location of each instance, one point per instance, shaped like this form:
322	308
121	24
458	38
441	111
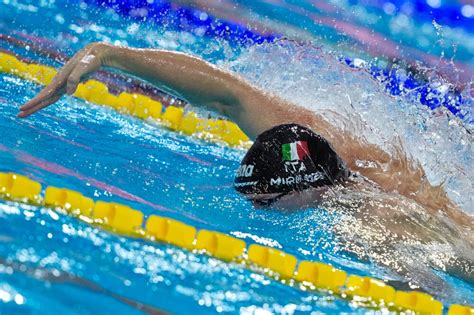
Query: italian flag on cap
294	151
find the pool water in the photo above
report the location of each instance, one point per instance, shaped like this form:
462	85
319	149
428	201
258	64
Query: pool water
52	263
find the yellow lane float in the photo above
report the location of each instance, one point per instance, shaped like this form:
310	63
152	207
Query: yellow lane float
419	302
220	245
368	287
272	259
119	217
171	231
19	187
321	275
457	309
126	221
133	104
10	64
70	200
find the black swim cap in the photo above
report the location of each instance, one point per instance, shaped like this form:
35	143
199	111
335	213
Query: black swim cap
288	158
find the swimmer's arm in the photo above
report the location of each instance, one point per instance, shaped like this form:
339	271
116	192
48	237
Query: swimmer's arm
192	79
196	81
199	82
202	84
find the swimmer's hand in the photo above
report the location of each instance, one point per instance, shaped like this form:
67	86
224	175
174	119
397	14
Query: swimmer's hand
84	62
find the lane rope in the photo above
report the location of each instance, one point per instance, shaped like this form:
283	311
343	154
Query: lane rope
134	104
122	220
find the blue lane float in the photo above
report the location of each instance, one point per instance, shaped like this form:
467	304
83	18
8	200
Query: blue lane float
398	84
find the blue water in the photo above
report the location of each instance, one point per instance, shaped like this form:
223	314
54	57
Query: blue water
51	263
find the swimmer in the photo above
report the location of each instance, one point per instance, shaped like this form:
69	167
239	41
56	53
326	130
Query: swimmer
299	157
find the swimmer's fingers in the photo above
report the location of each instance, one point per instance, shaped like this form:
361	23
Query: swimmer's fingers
55	89
48	95
39	105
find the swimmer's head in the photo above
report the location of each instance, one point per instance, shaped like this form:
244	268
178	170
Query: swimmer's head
287	159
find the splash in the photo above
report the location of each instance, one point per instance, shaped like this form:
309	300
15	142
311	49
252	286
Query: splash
313	78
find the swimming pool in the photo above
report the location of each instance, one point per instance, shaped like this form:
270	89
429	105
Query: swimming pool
54	263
